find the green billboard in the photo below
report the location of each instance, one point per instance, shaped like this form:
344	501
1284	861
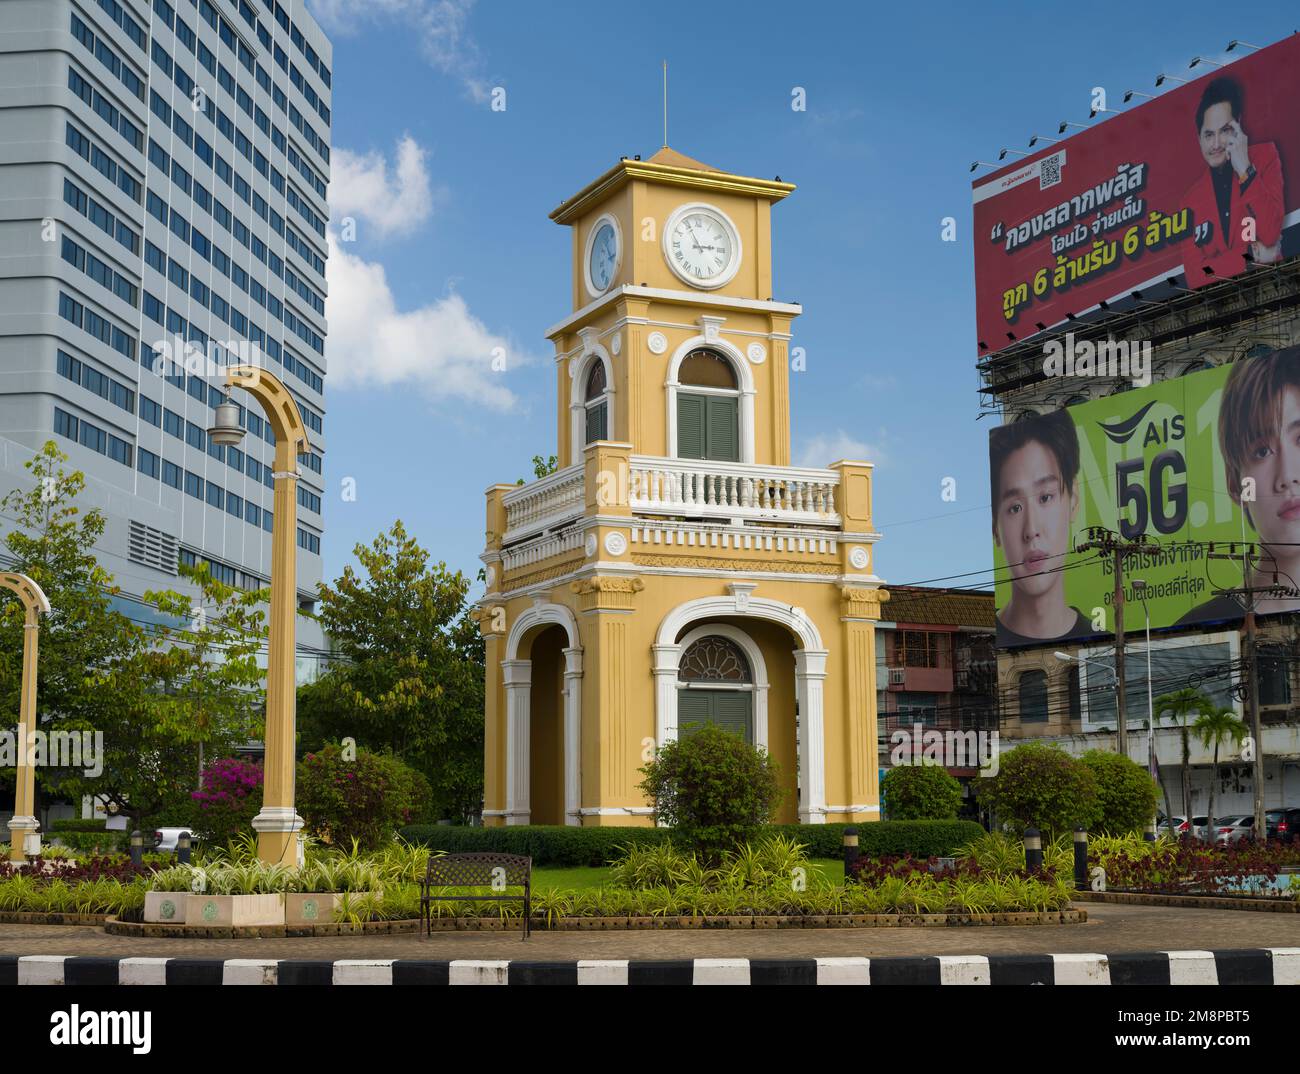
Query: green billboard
1208	457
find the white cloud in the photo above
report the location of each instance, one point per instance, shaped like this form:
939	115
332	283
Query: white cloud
440	349
360	186
441	26
826	448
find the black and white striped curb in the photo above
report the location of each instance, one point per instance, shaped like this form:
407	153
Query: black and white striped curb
1254	966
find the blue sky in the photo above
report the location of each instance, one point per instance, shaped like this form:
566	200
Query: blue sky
454	254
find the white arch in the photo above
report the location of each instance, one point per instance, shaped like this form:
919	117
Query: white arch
744	377
757	666
517	674
578	368
810	675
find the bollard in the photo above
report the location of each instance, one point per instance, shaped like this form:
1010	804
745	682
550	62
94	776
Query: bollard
183	848
1149	832
1081	859
851	852
1033	850
137	847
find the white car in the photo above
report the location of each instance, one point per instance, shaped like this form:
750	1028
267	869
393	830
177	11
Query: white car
165	840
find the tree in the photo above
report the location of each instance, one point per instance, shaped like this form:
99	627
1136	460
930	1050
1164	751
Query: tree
542	467
1043	787
1181	704
713	788
366	797
410	670
1215	728
1126	792
920	792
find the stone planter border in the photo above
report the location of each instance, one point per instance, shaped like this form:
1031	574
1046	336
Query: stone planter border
1194	902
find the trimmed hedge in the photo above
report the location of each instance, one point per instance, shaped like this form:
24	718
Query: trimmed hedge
568	847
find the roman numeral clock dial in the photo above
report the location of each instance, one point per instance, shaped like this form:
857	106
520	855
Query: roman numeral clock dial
702	246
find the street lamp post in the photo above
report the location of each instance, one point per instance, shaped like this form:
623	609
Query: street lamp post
23	826
278	823
1140	586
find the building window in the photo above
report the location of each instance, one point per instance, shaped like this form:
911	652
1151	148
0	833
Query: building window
708	408
597	403
1274	684
714	659
1033	696
1076	697
918	708
922	649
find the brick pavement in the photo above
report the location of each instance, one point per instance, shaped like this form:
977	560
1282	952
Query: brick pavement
1110	928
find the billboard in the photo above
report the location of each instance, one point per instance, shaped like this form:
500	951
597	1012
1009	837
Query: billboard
1190	182
1212	456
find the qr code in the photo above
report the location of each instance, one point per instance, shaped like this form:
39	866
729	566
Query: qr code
1049	171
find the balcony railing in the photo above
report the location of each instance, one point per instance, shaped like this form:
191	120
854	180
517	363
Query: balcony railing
733	490
544	503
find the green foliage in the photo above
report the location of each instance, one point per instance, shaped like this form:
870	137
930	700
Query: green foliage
920	792
410	676
365	799
1043	787
1126	793
713	788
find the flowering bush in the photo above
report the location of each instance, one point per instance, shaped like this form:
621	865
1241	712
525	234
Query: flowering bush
1196	868
230	798
367	798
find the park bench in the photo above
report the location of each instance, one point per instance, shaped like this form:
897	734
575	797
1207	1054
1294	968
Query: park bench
496	871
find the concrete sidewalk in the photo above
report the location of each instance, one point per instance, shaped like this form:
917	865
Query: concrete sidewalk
1111	928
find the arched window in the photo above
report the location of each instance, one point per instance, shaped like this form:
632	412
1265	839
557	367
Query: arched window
1076	695
596	400
708	408
715	685
715	660
1033	696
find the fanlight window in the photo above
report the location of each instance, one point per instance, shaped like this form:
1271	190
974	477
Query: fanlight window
707	369
714	659
597	403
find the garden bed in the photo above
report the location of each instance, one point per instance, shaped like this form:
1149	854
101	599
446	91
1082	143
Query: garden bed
1194	902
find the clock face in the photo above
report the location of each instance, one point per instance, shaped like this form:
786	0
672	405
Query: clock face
602	257
702	246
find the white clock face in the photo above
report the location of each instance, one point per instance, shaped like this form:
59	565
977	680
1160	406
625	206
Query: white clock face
702	246
602	258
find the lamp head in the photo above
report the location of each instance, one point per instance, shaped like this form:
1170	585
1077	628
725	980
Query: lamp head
227	432
1063	656
1160	80
1061	128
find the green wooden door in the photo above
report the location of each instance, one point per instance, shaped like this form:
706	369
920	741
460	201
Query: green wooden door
708	427
732	710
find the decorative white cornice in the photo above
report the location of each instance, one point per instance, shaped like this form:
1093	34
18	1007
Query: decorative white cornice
665	294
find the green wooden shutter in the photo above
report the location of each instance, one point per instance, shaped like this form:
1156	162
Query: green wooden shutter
597	423
692	708
731	712
690	425
722	438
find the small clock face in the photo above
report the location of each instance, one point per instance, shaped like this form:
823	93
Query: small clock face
602	259
702	246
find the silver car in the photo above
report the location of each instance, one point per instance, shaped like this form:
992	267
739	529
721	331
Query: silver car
1234	829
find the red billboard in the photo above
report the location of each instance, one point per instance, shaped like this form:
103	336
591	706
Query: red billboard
1201	181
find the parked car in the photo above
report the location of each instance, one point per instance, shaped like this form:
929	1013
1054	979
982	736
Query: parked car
1165	827
1181	829
1282	824
1234	829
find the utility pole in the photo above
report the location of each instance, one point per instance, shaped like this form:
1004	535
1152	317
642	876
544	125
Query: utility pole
1104	541
1247	596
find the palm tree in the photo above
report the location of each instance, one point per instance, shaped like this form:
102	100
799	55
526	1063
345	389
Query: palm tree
1216	727
1181	704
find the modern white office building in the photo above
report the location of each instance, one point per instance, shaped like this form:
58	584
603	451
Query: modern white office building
163	171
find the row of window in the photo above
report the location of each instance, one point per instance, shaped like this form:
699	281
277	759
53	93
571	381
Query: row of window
105	109
92	436
103	162
308	540
104	52
93	380
222	572
100	217
79	257
100	327
129	26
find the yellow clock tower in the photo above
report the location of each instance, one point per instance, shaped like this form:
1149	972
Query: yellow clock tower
676	569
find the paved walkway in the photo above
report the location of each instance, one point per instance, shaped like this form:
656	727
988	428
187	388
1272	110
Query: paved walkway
1110	929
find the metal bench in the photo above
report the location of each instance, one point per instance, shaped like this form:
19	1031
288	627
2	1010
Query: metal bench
495	871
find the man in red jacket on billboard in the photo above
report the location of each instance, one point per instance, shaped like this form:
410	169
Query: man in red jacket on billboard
1241	191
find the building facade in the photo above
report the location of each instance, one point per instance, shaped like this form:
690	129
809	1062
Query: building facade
676	568
165	168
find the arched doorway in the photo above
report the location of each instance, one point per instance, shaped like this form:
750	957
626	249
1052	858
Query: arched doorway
546	740
715	685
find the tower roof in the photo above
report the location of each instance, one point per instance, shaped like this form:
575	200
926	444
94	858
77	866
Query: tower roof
671	168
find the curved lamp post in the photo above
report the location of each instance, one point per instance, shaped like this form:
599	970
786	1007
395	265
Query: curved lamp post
23	827
278	823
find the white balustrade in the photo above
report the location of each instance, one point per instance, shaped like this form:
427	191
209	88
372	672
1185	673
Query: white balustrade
544	503
735	490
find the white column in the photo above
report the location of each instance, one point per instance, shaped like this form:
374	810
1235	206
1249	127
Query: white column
665	668
760	715
809	679
518	676
747	426
572	735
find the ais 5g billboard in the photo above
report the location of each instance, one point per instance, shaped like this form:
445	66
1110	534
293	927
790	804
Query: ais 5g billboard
1212	456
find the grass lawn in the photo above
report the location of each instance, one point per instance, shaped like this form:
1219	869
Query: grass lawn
577	879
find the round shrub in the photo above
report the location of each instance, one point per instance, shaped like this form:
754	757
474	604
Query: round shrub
713	789
230	797
1043	787
920	792
366	798
1126	792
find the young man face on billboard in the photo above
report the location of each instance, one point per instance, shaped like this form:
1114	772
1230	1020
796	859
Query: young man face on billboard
1034	468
